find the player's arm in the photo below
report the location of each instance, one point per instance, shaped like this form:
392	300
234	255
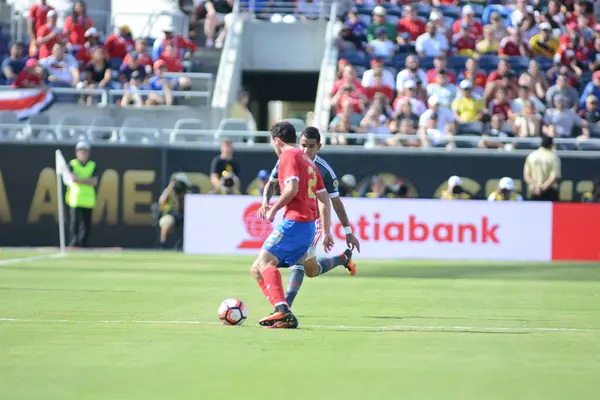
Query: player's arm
290	171
287	194
324	205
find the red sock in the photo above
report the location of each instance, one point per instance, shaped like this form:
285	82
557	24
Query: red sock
272	277
263	287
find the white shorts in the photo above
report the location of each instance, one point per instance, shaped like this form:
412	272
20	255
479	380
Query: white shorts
224	18
312	250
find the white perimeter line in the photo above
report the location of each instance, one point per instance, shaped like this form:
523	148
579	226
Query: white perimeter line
339	327
27	259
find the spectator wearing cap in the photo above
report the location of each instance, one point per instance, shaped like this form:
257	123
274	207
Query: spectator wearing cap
132	66
14	63
440	63
519	12
501	11
437	18
31	76
488	45
218	13
182	45
411	24
442	89
84	54
455	190
409	93
466	108
514	45
412	72
379	21
590	115
38	15
98	73
463	42
76	25
542	171
133	91
62	68
377	66
591	89
262	178
498	27
473	27
117	45
171	59
560	120
431	43
437	125
161	86
505	191
144	58
48	35
381	46
564	89
543	44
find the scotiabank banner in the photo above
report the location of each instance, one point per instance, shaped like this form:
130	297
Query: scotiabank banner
387	228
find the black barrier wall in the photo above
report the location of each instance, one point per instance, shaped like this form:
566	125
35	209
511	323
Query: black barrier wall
131	179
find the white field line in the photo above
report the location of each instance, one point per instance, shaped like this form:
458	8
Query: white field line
34	258
324	327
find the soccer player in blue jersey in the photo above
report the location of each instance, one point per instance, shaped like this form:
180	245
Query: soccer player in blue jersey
310	143
303	196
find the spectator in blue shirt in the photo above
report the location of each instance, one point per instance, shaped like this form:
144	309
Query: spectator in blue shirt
161	86
14	64
496	8
359	29
592	88
128	69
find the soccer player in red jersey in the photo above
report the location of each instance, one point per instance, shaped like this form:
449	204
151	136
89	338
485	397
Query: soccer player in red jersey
302	186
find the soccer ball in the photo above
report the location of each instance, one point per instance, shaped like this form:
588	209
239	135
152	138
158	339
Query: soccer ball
233	312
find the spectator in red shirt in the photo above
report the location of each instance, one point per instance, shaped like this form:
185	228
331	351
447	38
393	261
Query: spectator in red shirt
348	93
573	54
37	18
473	27
500	105
84	54
440	62
514	45
171	59
48	35
118	45
472	73
31	76
503	69
76	25
463	41
379	87
143	56
179	41
348	77
410	24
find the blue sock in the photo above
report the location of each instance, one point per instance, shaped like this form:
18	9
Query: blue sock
294	283
326	264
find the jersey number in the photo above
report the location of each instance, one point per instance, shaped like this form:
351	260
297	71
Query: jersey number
311	183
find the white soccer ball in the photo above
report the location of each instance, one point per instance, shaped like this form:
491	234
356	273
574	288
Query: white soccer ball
233	312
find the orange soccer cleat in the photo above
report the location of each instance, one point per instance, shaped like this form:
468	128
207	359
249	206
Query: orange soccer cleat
279	320
350	266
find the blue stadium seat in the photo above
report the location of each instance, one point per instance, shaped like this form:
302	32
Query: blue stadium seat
457	62
399	60
470	128
426	63
453	12
356	58
396	11
545	63
518	62
487	62
364	8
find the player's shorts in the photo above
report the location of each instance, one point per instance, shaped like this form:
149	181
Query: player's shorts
290	240
312	251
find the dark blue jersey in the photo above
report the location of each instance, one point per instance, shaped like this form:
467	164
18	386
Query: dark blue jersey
329	178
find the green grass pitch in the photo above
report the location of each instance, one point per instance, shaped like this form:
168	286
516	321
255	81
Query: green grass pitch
131	326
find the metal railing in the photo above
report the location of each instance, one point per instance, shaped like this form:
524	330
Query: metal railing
208	78
186	137
265	8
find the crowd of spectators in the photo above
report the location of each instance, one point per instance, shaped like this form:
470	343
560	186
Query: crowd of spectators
79	56
496	69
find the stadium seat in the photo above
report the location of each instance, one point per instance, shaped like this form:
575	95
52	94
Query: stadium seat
399	60
69	127
34	128
101	128
230	125
545	63
487	62
457	62
360	70
190	124
365	19
470	128
450	11
426	63
298	124
131	131
396	11
520	63
392	19
364	7
356	58
8	118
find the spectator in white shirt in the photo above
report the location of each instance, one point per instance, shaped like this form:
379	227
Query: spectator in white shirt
409	93
412	72
431	43
559	121
525	95
63	69
381	46
387	77
437	125
442	89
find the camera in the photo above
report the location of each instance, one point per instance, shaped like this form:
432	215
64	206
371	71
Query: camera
179	187
228	182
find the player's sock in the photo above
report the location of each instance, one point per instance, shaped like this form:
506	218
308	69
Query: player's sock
272	278
294	283
326	264
263	286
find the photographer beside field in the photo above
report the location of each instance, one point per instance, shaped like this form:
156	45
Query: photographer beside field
505	191
455	190
171	205
228	184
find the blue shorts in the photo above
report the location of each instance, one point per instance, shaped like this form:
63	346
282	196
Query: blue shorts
290	240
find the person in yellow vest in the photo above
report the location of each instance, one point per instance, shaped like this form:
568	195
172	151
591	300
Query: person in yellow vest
81	195
171	203
505	191
455	190
594	195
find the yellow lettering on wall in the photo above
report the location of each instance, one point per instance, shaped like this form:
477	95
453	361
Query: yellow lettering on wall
5	217
134	197
44	198
107	198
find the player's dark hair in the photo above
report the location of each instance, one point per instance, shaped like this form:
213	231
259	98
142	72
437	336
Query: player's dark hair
310	132
284	131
